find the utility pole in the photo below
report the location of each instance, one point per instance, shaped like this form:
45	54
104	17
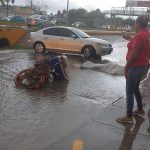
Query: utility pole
68	11
31	5
67	5
14	10
7	6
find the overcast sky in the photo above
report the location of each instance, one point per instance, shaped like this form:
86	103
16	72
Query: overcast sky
55	5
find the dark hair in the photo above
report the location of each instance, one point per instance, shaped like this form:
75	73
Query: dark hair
142	21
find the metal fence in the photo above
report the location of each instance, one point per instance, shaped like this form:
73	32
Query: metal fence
127	11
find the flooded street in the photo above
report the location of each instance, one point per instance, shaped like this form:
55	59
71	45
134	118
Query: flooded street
53	117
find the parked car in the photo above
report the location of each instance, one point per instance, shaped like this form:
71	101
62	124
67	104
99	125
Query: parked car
59	21
69	39
40	21
14	18
79	24
126	28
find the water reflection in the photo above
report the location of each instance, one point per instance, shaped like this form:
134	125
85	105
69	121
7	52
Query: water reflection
148	114
54	91
130	135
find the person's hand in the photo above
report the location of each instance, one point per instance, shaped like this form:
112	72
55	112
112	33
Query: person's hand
126	36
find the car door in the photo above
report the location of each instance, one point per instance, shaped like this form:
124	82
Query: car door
19	19
51	38
48	22
45	22
69	41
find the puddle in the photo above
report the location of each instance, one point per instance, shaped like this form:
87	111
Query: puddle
24	112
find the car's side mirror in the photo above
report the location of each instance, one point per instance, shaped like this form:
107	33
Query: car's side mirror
74	36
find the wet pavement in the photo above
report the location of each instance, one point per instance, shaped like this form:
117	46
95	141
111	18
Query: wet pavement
84	108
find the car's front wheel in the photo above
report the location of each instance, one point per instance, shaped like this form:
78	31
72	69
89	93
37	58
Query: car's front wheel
39	47
89	52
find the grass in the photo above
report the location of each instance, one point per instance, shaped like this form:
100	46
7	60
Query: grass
21	47
33	29
11	22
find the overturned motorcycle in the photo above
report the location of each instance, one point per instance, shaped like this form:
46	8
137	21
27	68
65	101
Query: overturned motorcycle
43	71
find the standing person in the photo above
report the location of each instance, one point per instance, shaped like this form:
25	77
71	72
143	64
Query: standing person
137	65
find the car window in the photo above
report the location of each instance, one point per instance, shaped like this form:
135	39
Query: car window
65	32
35	16
18	17
51	31
10	17
81	33
47	18
43	17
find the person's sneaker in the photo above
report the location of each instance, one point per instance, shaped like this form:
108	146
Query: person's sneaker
125	119
139	113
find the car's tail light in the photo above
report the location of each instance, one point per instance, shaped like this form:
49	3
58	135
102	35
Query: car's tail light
29	40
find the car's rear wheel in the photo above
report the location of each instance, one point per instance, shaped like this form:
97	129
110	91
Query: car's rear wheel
89	52
39	47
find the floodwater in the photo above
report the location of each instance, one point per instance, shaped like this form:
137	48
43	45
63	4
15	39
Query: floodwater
36	119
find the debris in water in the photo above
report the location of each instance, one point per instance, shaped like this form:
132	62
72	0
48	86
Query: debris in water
110	68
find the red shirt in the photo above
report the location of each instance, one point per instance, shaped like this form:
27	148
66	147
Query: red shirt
141	41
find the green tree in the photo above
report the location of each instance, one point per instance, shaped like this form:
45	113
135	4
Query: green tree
4	2
37	5
93	18
77	13
59	14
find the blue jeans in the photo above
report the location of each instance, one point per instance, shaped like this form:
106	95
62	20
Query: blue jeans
134	76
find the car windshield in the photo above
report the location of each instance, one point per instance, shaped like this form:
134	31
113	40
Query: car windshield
35	16
9	17
81	33
76	23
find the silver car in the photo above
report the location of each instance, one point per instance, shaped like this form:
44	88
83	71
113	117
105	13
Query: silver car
69	39
40	21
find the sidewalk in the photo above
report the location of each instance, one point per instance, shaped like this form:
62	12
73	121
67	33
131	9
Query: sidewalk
135	137
102	132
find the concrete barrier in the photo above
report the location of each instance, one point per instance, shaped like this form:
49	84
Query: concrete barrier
107	33
12	35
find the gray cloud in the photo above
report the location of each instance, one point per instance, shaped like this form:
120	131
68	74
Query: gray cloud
55	5
52	5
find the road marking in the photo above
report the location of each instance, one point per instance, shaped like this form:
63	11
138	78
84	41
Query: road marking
77	145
